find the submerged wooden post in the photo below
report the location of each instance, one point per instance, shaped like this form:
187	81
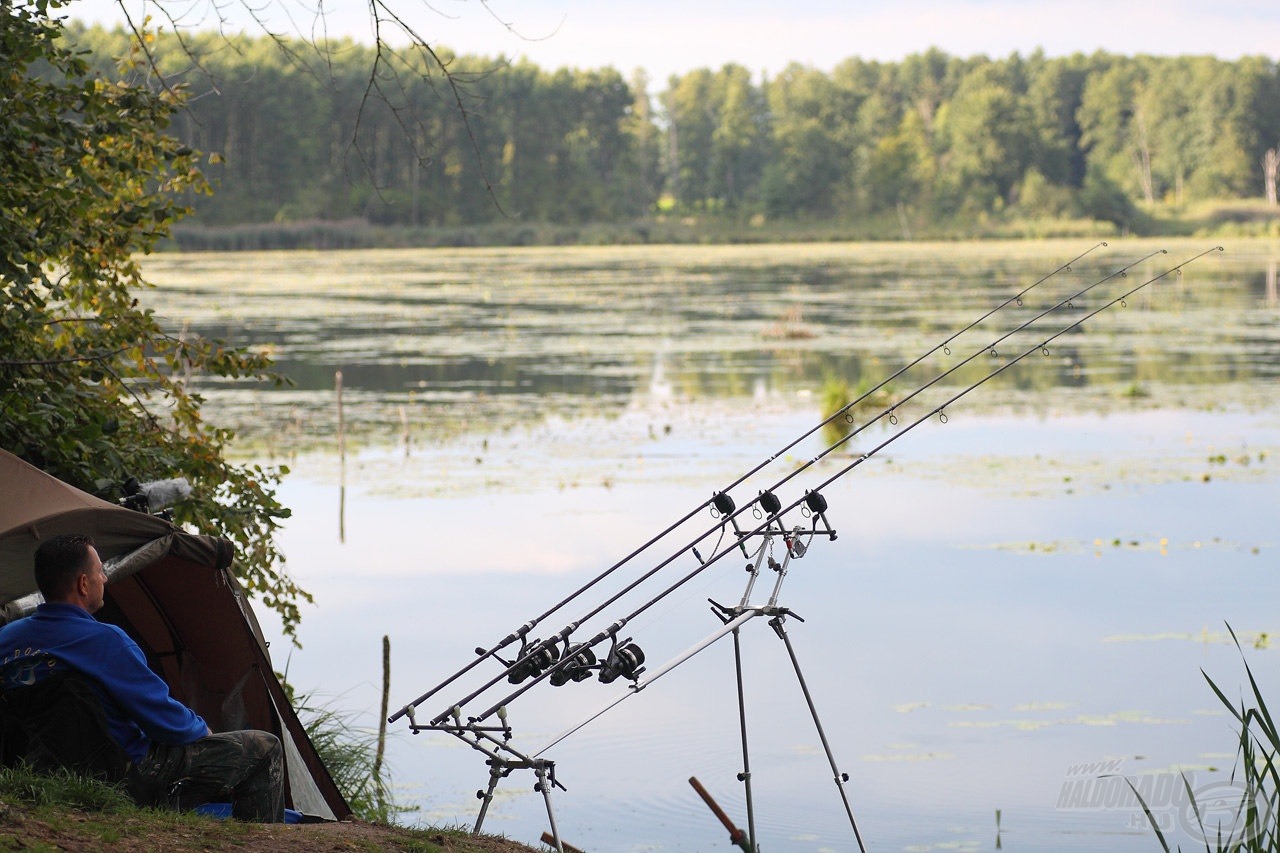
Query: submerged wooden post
404	430
382	727
342	460
342	426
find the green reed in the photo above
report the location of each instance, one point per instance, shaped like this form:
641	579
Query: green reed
1255	818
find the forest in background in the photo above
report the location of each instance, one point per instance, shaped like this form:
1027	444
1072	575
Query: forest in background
312	148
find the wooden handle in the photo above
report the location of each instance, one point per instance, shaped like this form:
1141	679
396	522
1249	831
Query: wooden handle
737	836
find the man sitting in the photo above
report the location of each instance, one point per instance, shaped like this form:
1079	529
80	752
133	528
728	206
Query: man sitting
176	760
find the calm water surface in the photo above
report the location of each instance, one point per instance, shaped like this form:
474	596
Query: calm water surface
1032	586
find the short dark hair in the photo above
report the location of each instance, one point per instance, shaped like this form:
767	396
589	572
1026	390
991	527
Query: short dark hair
59	561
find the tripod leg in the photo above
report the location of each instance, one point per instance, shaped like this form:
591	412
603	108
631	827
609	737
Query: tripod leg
840	778
745	775
486	796
543	786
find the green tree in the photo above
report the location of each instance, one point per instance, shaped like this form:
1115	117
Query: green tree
1054	89
900	168
741	137
593	146
987	139
811	162
717	137
1230	112
640	181
877	116
92	388
691	121
1115	129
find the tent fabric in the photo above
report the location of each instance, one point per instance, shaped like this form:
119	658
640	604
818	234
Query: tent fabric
173	593
35	506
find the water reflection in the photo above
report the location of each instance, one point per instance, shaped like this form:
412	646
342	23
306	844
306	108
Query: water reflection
960	664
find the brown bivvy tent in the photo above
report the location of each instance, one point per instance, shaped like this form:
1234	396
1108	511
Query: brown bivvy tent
173	592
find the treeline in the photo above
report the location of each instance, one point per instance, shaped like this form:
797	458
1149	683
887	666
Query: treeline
379	138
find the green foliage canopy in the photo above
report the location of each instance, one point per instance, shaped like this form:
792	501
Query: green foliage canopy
92	388
933	138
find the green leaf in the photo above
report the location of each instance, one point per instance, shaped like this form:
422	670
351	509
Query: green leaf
85	369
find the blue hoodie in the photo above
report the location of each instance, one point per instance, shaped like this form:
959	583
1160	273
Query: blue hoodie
136	701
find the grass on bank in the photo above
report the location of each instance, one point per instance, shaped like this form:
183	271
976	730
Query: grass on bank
63	811
349	754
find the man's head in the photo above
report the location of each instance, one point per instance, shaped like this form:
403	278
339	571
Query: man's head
68	570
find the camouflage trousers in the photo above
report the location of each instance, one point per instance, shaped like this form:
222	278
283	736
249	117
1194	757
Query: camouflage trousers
244	768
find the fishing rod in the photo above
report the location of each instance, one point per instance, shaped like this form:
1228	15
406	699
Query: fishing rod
542	657
889	411
624	657
717	499
1042	347
626	664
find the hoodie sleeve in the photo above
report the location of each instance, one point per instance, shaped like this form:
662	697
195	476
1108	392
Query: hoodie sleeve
143	696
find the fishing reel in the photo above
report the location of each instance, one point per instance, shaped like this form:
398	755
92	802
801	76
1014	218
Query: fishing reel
577	666
723	507
624	661
535	657
816	505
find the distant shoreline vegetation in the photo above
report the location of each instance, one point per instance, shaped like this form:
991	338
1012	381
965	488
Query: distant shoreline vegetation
1211	220
303	154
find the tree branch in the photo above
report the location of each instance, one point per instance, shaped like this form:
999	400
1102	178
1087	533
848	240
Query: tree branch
75	359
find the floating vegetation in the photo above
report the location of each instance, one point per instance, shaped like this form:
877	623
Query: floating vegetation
960	845
909	756
908	707
503	337
1130	717
1257	639
1100	547
790	328
1034	707
836	397
1032	722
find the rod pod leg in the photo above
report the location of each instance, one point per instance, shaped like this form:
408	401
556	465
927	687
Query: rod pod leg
496	772
840	778
745	775
543	786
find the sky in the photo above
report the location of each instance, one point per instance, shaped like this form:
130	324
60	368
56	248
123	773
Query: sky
668	37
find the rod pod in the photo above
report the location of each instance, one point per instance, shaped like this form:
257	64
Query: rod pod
939	410
522	632
765	529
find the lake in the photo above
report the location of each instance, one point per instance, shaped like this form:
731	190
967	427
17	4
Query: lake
1041	552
